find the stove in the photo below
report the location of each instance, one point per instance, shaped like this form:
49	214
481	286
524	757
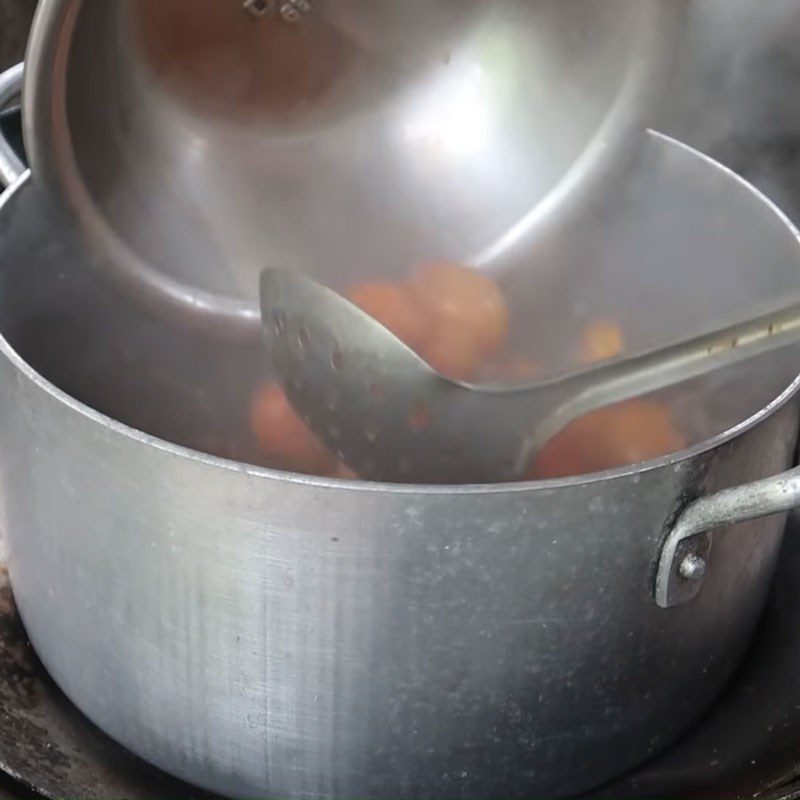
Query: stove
748	746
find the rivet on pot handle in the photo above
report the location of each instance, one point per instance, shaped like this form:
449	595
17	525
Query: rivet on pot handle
683	561
11	168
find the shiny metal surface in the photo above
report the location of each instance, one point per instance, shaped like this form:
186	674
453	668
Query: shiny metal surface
10	87
264	634
390	416
751	501
206	144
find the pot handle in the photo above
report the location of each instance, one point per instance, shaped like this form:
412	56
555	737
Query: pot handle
683	560
11	168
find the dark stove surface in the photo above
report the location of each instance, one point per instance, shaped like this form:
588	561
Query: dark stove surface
748	746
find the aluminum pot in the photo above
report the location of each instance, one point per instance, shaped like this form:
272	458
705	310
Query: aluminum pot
466	129
270	635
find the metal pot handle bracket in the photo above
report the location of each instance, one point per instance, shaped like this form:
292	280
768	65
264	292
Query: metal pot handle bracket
11	168
684	555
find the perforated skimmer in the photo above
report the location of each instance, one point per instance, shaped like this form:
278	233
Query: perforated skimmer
390	416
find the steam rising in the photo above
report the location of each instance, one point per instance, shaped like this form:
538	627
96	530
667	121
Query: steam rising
736	94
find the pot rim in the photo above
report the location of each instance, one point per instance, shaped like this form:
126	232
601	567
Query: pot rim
121	429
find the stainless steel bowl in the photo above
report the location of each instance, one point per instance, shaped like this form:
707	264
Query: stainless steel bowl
196	142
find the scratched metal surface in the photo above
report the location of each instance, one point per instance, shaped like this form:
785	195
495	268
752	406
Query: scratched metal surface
748	747
46	745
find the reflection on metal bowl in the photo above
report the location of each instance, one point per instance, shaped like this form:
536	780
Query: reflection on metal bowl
201	142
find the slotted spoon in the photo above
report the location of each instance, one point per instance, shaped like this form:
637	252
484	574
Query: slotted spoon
390	416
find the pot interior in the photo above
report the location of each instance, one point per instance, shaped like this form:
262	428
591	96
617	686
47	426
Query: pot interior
684	247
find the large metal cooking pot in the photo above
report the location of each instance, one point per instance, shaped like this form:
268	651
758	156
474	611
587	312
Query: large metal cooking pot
393	133
270	635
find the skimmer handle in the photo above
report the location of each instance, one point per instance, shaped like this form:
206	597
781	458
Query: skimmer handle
650	371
